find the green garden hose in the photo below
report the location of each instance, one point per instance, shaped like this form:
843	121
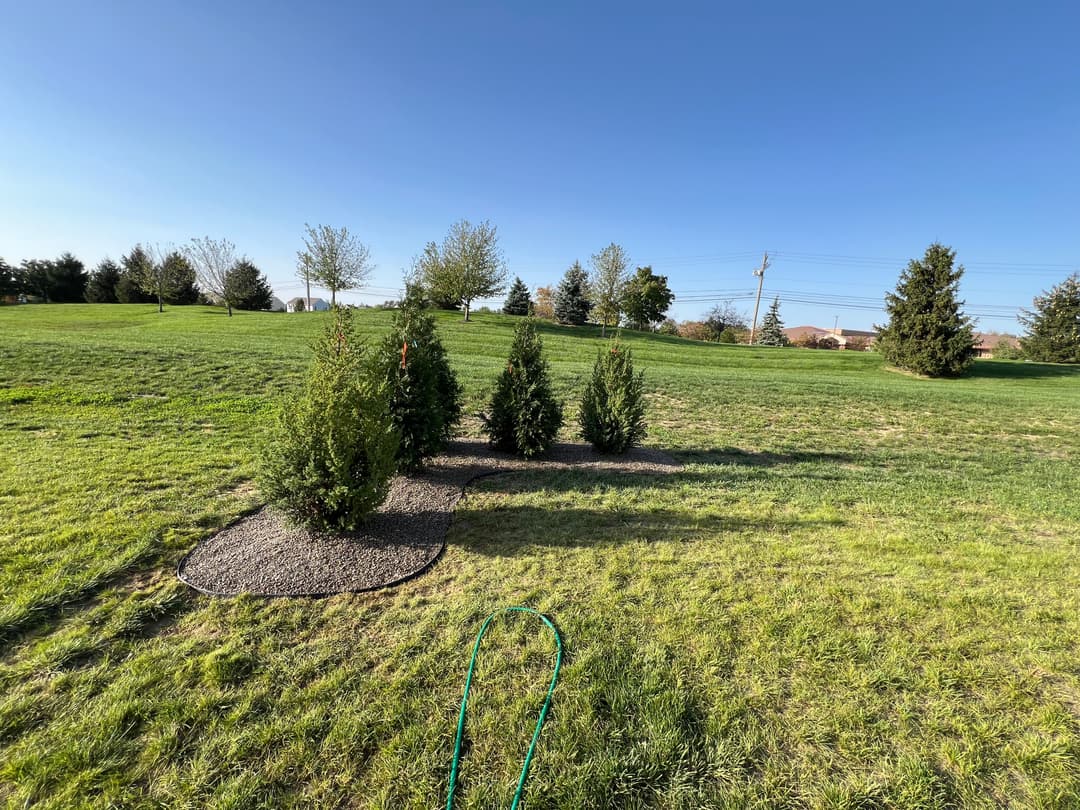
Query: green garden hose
539	722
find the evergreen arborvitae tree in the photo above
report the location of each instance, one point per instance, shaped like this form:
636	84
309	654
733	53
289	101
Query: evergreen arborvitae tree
246	288
517	300
425	397
524	415
571	302
772	328
1053	327
101	288
613	408
927	332
331	456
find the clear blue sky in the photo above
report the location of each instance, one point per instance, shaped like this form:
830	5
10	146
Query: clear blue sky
842	137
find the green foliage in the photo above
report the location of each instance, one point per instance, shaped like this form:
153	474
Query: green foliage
668	327
517	300
1053	327
523	415
10	280
101	288
425	397
331	457
927	332
772	328
246	288
1005	350
646	298
334	259
607	284
571	303
724	317
612	415
56	281
179	282
468	265
136	265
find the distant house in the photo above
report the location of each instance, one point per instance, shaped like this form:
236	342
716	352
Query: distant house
986	342
306	305
843	338
276	304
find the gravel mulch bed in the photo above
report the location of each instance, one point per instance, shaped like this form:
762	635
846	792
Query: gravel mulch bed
263	554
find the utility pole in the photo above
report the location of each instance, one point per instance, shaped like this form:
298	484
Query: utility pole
836	325
760	273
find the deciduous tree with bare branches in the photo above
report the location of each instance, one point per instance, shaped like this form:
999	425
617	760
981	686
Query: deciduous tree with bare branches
212	260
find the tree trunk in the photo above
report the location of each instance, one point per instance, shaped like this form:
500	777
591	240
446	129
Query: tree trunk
467	309
160	308
228	306
333	298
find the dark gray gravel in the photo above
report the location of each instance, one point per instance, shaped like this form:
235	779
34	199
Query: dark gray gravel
265	555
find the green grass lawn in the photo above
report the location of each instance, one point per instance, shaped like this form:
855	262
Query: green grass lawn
861	591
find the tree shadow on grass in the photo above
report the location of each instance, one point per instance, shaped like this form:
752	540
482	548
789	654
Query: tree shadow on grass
518	529
744	458
1020	370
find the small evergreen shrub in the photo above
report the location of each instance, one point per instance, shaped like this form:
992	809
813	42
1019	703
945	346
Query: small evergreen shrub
612	412
425	397
332	454
524	415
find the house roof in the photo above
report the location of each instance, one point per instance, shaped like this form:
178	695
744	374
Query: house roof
307	301
990	340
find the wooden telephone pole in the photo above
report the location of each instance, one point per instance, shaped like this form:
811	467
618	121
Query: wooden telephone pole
760	273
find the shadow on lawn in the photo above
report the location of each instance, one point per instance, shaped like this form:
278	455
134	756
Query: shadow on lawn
1018	370
500	531
743	458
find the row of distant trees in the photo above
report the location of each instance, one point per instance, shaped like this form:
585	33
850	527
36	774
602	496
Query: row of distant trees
204	271
609	294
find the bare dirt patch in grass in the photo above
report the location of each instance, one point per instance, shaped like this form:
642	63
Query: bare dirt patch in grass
264	554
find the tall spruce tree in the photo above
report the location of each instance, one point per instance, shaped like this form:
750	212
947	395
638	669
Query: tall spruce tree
1053	326
571	301
517	300
772	328
103	282
246	288
927	332
523	415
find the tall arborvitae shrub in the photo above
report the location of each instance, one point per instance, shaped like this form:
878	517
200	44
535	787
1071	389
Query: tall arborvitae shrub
517	300
332	454
425	397
928	332
523	415
612	412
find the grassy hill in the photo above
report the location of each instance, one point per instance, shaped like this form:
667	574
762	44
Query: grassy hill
861	590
